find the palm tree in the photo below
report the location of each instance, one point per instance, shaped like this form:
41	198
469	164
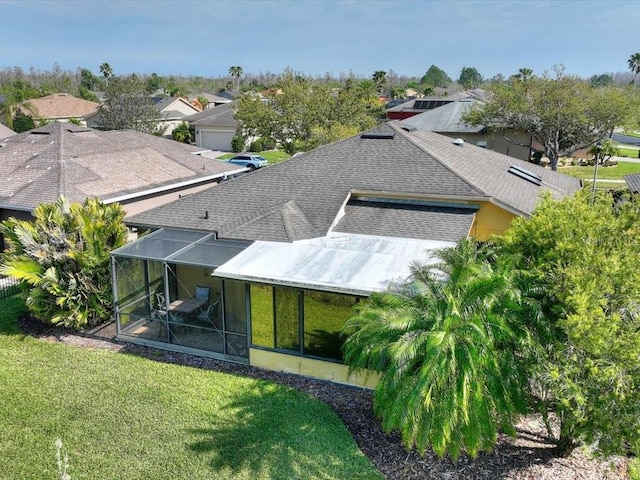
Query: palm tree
634	66
236	72
63	259
450	350
379	78
524	74
106	71
13	105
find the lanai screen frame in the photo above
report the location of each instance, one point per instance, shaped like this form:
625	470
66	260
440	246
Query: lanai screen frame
169	247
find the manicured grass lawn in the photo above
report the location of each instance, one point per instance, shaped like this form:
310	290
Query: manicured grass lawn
125	417
272	156
628	152
606	173
630	133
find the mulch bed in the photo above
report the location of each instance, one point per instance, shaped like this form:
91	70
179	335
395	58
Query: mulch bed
529	456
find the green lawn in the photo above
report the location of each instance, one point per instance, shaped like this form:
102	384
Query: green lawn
604	173
125	417
272	156
628	152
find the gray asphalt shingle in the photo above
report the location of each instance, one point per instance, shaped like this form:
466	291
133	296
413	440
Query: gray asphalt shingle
321	181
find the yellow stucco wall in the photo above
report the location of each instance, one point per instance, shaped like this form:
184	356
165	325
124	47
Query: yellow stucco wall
309	367
490	220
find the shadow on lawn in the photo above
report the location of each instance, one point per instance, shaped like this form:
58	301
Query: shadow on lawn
270	432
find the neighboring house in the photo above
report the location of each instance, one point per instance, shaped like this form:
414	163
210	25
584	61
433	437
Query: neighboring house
173	111
215	128
214	100
633	182
285	252
137	170
5	131
415	106
62	107
447	120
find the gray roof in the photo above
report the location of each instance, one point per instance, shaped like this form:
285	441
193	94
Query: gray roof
444	119
220	115
633	182
5	131
410	105
303	197
409	220
61	158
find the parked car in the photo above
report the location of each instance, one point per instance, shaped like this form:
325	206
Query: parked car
250	161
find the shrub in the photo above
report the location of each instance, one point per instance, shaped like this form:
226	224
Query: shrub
63	260
268	144
22	123
256	146
237	144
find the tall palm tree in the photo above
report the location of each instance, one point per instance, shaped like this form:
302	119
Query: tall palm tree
106	71
236	72
634	66
379	78
450	351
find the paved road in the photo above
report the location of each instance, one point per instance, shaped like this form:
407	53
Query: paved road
617	137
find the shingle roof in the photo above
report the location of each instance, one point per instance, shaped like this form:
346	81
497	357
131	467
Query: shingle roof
220	115
63	105
489	172
5	131
633	182
321	181
41	164
447	118
407	221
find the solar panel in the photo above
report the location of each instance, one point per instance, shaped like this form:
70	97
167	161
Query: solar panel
525	174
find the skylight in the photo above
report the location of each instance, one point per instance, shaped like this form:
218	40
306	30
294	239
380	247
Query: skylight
525	174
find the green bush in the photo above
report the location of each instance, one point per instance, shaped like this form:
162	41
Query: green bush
22	123
268	144
256	146
237	144
63	260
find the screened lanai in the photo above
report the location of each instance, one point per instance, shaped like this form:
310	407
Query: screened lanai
166	296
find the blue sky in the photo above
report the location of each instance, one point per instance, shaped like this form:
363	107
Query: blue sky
314	37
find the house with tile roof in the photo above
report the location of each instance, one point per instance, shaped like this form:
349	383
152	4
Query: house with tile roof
447	120
285	252
62	107
137	170
215	127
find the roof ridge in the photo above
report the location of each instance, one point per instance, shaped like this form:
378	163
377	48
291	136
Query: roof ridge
394	125
248	218
62	177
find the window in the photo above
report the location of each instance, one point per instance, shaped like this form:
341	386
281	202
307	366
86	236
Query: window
301	321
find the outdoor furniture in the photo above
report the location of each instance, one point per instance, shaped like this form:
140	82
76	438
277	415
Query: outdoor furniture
210	314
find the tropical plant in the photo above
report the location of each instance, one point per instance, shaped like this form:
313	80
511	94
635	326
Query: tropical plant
16	103
634	66
182	133
62	258
451	349
380	79
106	71
236	72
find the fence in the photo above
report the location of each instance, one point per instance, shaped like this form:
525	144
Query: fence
8	286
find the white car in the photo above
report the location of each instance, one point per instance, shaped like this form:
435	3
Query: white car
249	160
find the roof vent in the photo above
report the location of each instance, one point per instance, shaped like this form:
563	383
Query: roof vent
525	174
378	135
409	128
459	142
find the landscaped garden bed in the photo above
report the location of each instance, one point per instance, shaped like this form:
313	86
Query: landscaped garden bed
219	449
